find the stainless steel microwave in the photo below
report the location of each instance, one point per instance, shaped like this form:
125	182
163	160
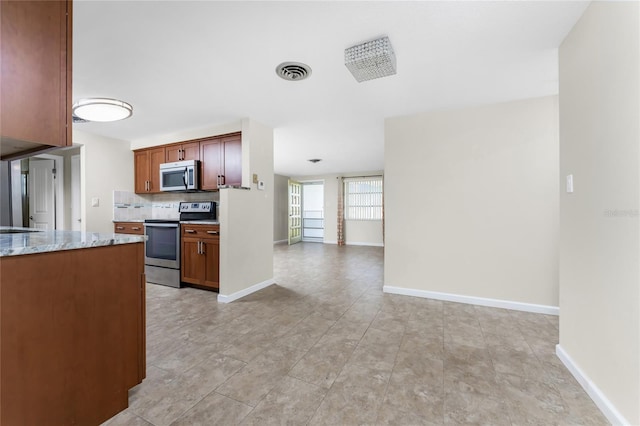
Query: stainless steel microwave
180	176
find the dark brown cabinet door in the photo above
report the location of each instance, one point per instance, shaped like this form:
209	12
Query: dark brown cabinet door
211	157
192	268
191	151
173	153
36	74
147	170
232	172
156	157
212	263
141	171
183	152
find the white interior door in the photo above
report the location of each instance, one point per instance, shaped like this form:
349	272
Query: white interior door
42	201
295	212
75	194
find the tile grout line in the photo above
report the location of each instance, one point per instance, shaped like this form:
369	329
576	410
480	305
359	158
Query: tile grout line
395	360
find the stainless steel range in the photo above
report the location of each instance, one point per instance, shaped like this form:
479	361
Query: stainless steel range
162	248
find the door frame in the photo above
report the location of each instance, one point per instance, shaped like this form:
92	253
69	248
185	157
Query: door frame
58	162
313	182
72	177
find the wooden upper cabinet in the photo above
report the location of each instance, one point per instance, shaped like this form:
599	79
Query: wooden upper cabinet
211	166
221	161
232	174
147	170
182	152
141	171
35	49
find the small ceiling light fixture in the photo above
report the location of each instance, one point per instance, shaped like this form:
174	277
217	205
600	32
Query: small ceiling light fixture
315	160
371	59
102	109
293	71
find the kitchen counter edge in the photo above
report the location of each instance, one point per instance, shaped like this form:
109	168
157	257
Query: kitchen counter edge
50	241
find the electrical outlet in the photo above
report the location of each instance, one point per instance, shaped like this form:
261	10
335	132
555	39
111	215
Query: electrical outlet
261	185
95	202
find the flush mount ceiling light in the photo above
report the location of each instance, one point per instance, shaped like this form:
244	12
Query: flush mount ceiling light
315	160
102	109
372	59
293	71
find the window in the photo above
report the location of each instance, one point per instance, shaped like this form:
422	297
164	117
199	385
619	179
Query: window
363	198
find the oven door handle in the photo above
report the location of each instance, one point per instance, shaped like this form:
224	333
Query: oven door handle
162	225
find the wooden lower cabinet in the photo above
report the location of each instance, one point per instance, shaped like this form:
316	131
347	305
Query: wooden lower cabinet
201	256
73	334
135	228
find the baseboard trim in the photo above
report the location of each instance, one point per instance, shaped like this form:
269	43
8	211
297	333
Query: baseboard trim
471	300
356	244
366	244
223	298
280	242
601	401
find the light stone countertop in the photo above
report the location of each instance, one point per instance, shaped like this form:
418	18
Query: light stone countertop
48	241
200	222
186	222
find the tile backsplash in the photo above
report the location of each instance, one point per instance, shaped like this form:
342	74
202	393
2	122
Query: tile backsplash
130	206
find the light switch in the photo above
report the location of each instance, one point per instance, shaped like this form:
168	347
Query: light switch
569	184
95	202
255	178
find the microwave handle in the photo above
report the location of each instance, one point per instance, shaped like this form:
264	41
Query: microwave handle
185	178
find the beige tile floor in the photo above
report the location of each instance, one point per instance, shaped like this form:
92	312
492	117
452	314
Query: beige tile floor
326	346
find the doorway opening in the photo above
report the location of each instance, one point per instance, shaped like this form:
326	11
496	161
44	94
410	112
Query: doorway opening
313	211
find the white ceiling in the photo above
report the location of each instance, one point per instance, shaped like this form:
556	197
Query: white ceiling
185	65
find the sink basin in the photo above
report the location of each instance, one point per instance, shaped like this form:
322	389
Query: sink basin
17	231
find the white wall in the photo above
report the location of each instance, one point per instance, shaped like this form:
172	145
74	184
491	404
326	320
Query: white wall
471	202
246	220
106	165
599	229
280	207
356	232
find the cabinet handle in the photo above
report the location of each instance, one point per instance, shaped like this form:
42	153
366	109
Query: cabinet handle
213	232
135	228
180	154
223	179
189	231
201	247
119	228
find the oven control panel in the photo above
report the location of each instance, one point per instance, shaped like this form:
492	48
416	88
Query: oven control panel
199	207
